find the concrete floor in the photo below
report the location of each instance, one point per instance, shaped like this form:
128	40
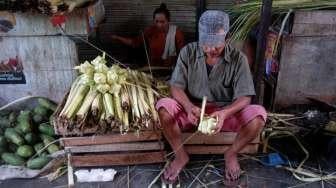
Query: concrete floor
255	176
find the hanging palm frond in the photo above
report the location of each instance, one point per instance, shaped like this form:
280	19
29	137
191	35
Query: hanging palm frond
247	15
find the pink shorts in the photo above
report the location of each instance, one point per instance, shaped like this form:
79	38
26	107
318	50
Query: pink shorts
231	124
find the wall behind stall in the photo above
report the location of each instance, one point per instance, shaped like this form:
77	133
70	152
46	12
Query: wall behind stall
219	4
129	17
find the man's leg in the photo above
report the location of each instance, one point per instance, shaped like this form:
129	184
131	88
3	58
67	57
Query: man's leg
173	134
244	137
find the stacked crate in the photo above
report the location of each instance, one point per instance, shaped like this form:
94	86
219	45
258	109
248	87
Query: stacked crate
115	149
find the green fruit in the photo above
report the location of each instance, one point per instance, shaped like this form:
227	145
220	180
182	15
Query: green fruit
41	110
38	147
4	122
38	162
51	121
3	141
18	130
25	151
31	138
52	148
47	104
24	116
46	139
25	126
47	129
24	121
13	136
12	159
37	118
12	117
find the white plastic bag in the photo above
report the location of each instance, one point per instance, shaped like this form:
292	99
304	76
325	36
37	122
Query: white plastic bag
95	175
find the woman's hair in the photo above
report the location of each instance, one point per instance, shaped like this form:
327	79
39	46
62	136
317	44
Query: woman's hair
162	10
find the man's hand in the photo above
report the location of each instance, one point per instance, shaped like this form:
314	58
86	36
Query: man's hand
222	115
194	114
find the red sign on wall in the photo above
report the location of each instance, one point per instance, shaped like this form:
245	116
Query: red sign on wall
11	71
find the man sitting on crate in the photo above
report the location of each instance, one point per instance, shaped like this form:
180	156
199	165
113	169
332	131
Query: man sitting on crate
211	68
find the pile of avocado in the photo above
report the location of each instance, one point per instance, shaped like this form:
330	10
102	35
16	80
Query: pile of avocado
25	133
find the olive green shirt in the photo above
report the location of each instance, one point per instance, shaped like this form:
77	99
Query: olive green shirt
229	79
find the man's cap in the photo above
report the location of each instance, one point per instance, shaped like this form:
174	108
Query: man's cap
209	26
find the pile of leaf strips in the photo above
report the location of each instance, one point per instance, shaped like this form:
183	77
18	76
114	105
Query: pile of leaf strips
280	126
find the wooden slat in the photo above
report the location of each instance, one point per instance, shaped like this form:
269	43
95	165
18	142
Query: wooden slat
218	149
314	23
316	16
307	69
220	138
117	159
219	4
112	138
314	30
141	146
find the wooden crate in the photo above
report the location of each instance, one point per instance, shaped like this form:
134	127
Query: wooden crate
215	144
145	148
116	149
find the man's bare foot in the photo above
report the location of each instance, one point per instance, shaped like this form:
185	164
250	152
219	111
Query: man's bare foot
232	167
173	170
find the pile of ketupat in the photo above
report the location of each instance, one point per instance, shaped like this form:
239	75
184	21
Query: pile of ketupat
207	124
111	97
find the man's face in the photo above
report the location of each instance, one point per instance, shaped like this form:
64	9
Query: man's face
214	51
161	22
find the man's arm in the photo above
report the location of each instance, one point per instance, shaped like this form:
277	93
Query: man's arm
193	111
181	97
229	110
178	85
237	105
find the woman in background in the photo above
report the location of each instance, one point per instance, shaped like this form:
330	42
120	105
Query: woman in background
163	40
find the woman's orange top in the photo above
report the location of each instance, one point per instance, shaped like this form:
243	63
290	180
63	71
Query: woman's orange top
155	41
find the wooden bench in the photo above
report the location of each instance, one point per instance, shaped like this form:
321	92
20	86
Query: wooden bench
145	148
